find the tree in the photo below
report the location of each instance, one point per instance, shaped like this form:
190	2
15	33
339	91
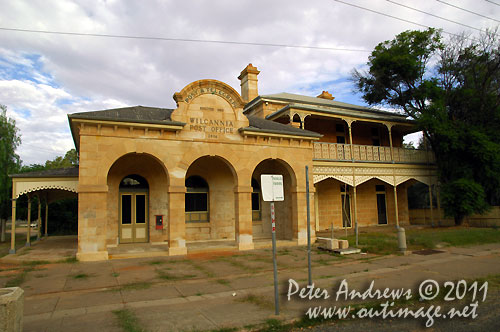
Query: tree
451	89
70	159
9	160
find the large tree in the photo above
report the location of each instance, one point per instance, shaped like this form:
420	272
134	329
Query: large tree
9	161
451	88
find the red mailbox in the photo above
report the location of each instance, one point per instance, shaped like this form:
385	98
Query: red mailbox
159	221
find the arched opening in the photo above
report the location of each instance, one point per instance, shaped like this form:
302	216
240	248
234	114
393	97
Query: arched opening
283	210
209	200
197	198
297	121
134	209
334	204
137	192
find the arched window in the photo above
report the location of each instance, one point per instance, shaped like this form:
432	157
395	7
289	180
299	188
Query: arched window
134	182
196	206
256	210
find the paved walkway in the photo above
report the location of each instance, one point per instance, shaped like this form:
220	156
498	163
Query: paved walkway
205	293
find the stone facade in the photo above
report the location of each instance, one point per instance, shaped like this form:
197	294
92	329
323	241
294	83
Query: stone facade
228	141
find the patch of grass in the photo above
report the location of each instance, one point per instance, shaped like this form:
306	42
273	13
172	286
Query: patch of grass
202	269
80	276
18	280
132	286
24	252
35	263
274	325
168	276
326	277
258	300
199	294
69	260
156	262
115	274
454	237
223	282
376	243
128	321
239	265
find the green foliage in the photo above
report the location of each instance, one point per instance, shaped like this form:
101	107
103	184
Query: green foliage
451	90
9	160
70	159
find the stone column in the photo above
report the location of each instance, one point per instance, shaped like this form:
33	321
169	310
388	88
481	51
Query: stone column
176	221
243	217
11	309
13	228
28	231
299	217
92	222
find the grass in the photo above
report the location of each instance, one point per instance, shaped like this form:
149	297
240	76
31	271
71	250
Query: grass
168	276
115	274
80	276
202	269
18	280
69	260
128	321
223	282
35	263
156	262
259	301
132	286
429	238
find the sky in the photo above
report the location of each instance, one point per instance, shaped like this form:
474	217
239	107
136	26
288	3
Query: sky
44	77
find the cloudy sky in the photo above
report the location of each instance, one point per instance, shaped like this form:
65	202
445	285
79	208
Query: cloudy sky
44	76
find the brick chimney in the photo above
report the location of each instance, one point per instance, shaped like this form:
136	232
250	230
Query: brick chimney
248	78
326	95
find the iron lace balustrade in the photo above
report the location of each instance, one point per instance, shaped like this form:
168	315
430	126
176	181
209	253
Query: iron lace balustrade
369	153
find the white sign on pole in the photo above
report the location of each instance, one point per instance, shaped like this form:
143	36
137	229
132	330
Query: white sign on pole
272	188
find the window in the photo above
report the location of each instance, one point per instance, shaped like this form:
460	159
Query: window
134	182
196	202
256	211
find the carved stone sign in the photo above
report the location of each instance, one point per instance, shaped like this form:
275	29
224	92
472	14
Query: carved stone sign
209	90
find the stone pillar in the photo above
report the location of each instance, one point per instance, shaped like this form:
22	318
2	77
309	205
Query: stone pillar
13	228
438	205
243	217
11	309
28	231
176	221
92	222
299	217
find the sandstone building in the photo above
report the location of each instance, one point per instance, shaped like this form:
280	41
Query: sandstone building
171	177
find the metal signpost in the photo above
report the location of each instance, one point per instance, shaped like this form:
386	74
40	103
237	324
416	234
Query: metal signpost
308	228
272	191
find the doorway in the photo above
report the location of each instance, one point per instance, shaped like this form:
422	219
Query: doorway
381	205
133	209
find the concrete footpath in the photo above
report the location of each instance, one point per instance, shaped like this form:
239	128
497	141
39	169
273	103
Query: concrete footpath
227	290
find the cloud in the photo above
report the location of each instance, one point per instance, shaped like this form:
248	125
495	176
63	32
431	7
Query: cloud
43	77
